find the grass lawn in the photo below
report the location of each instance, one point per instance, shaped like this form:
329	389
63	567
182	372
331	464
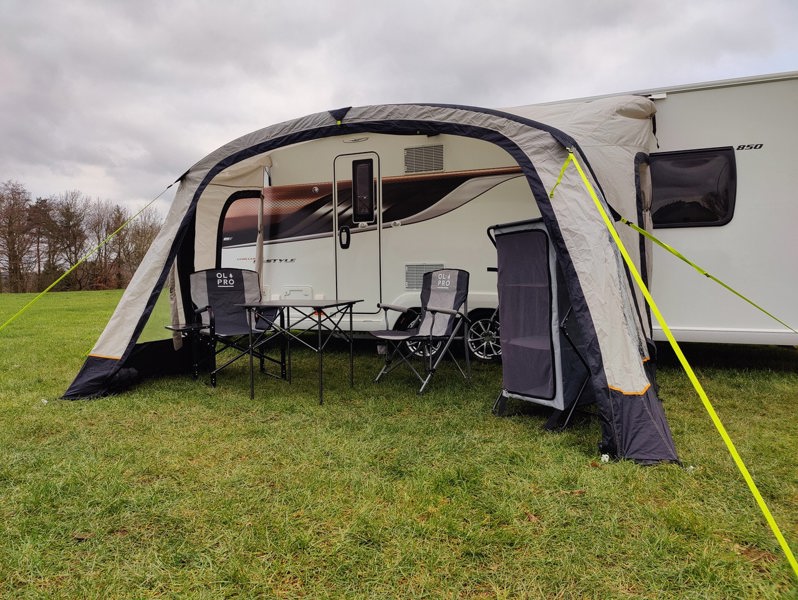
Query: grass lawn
176	489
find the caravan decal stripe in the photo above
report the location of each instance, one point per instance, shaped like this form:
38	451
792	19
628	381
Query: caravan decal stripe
688	369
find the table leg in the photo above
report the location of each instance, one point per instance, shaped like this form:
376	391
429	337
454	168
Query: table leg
321	360
283	343
351	351
288	339
251	365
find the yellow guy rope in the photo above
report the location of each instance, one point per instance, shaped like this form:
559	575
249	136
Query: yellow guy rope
81	261
685	365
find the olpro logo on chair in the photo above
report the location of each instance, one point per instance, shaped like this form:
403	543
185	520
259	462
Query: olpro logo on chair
444	280
225	280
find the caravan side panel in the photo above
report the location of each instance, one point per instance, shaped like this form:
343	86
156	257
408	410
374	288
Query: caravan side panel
756	251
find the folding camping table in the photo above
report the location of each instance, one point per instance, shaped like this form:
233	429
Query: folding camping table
325	316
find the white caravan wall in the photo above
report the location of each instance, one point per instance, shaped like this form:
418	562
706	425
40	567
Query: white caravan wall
756	252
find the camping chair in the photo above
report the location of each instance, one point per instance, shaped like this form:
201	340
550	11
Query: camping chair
441	320
218	295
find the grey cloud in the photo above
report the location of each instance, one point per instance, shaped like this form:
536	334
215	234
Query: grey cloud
118	98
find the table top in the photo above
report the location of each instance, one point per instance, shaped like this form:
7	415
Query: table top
302	303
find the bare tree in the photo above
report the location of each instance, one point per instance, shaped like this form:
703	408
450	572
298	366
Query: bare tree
101	219
43	252
16	238
41	240
38	218
117	220
69	237
140	234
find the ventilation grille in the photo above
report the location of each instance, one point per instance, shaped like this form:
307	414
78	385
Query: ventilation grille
414	274
423	158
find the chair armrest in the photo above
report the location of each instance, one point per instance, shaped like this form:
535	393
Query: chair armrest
387	307
447	311
186	327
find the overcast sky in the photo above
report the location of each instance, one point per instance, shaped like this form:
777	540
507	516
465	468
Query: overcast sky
117	99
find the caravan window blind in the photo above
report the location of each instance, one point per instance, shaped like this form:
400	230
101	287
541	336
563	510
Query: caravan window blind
363	191
693	188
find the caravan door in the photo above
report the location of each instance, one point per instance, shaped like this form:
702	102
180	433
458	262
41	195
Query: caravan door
357	200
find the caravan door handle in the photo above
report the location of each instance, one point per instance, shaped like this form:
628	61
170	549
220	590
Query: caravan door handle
344	237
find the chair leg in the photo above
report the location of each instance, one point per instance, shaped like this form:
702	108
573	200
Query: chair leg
466	352
389	350
446	349
431	363
425	382
394	357
194	355
213	366
382	372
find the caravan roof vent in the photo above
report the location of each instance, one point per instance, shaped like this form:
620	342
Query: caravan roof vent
414	273
423	158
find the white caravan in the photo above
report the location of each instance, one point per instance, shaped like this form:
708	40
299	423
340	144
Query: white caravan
722	196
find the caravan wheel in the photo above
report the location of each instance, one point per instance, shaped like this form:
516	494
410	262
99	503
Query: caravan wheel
483	337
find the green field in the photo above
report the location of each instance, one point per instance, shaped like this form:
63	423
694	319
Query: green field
178	490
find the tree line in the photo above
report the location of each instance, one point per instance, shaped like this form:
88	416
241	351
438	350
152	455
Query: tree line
42	239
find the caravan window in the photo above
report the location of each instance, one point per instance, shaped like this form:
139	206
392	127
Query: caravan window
693	188
363	191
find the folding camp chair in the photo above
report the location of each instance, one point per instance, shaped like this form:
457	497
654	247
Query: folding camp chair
441	320
218	296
